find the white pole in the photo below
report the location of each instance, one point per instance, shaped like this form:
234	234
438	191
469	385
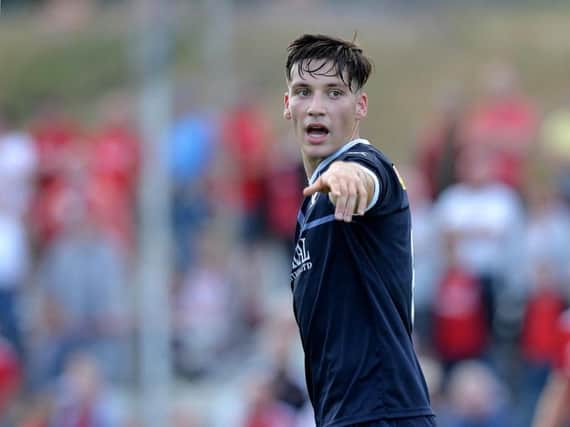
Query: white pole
152	52
218	50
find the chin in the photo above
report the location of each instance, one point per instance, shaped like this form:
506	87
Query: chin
317	152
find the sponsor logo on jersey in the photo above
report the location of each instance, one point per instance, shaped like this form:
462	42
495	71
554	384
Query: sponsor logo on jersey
301	259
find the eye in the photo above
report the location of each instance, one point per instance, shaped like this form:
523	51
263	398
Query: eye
335	93
302	91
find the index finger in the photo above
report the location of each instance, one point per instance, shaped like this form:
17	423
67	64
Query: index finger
315	187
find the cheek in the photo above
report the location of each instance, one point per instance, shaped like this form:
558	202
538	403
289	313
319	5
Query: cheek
296	112
345	118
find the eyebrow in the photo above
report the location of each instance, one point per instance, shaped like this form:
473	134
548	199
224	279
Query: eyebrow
328	85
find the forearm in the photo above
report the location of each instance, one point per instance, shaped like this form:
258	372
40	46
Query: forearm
552	408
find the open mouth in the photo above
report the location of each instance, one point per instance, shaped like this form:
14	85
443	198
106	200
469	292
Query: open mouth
317	131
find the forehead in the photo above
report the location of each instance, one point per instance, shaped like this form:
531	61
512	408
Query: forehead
325	72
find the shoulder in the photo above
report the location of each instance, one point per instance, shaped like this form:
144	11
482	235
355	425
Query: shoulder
371	157
365	149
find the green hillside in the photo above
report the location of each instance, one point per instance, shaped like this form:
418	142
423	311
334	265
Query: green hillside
416	55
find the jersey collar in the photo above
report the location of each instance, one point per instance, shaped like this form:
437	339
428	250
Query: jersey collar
328	160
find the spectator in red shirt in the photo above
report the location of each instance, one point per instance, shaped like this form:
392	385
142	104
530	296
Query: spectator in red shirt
284	184
108	203
460	324
56	137
54	134
541	317
247	138
115	146
538	343
553	407
506	121
10	379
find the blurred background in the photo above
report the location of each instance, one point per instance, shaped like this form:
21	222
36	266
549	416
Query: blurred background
149	190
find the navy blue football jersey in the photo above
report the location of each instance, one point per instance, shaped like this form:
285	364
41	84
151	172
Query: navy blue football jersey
352	289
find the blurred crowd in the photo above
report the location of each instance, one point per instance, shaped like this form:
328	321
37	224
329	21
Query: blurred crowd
68	252
489	185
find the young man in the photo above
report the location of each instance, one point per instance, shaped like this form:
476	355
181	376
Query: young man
352	267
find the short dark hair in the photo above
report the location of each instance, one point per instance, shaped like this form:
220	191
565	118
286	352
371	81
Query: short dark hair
343	56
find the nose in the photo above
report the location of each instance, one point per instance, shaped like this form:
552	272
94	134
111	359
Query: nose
316	106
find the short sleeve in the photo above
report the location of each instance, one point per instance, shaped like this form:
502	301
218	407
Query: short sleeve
390	194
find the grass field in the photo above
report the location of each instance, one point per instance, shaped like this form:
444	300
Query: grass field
416	55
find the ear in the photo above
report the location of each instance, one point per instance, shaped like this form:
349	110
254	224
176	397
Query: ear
286	111
361	106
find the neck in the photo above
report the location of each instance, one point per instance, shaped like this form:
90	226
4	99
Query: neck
310	166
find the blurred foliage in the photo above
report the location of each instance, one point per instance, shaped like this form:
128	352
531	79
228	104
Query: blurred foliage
418	56
417	53
73	70
72	67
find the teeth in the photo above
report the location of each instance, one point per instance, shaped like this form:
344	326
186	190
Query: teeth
319	129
